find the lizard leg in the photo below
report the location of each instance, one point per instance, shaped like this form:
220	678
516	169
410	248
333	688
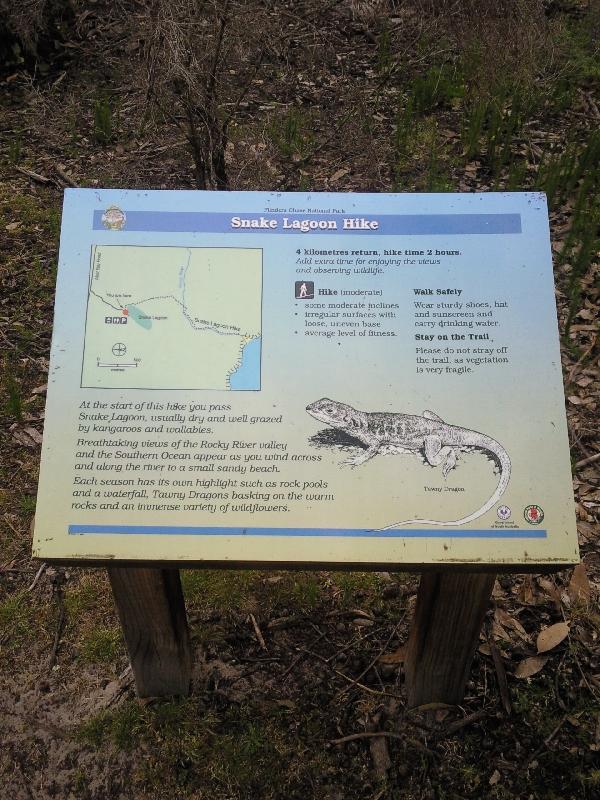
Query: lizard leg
450	461
433	448
364	456
436	454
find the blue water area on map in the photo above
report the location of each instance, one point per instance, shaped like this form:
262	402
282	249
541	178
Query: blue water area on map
139	316
247	375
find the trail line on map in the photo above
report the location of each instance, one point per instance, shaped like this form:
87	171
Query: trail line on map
184	308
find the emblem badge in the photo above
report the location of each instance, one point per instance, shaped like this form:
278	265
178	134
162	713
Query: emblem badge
114	219
533	514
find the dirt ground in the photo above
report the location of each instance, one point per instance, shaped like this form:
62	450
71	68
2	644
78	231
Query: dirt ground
346	96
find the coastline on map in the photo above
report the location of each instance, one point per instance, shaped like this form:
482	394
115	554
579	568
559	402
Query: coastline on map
247	375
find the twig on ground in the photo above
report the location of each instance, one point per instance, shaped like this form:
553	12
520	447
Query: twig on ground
64	177
35	176
124	681
350	680
350	612
380	794
353	737
459	724
585	461
284	622
583	675
60	624
38	575
10	525
299	657
257	631
354	642
500	674
380	755
577	366
58	580
7	340
258	660
546	741
374	660
559	699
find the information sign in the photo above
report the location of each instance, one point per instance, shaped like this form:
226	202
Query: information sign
254	378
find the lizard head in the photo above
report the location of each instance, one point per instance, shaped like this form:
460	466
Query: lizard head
331	412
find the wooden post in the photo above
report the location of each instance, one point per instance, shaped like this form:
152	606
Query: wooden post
152	613
445	631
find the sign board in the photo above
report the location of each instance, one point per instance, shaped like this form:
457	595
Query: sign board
253	378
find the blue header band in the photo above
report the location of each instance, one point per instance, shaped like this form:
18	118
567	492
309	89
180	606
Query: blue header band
388	224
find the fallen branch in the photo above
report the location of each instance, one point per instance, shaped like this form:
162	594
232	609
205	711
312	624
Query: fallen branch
585	461
65	178
380	754
35	176
285	622
367	735
349	679
374	660
57	636
257	631
299	658
577	366
353	737
57	589
454	727
546	741
38	575
500	674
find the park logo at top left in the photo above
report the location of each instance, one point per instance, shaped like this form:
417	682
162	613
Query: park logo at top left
114	218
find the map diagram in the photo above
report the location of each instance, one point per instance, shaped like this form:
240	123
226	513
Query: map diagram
173	318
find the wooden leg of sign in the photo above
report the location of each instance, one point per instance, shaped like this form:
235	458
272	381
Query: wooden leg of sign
152	613
445	631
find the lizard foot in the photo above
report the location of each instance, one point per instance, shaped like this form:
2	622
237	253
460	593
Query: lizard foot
361	457
449	463
352	461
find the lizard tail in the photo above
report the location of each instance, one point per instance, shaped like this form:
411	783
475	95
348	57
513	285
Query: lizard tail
484	443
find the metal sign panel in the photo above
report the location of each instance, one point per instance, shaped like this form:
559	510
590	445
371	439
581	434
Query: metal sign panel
254	378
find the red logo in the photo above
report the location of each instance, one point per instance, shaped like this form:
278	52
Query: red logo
533	514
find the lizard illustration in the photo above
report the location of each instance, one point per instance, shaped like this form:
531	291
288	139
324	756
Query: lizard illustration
427	434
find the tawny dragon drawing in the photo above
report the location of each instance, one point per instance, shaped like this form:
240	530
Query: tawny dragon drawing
427	435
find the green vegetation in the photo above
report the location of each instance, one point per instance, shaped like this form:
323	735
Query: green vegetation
102	645
573	177
440	86
28	503
14	402
15	148
120	727
225	590
384	51
240	752
245	591
22	621
33	215
494	113
292	134
103	120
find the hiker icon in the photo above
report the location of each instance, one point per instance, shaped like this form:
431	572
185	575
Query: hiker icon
304	290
